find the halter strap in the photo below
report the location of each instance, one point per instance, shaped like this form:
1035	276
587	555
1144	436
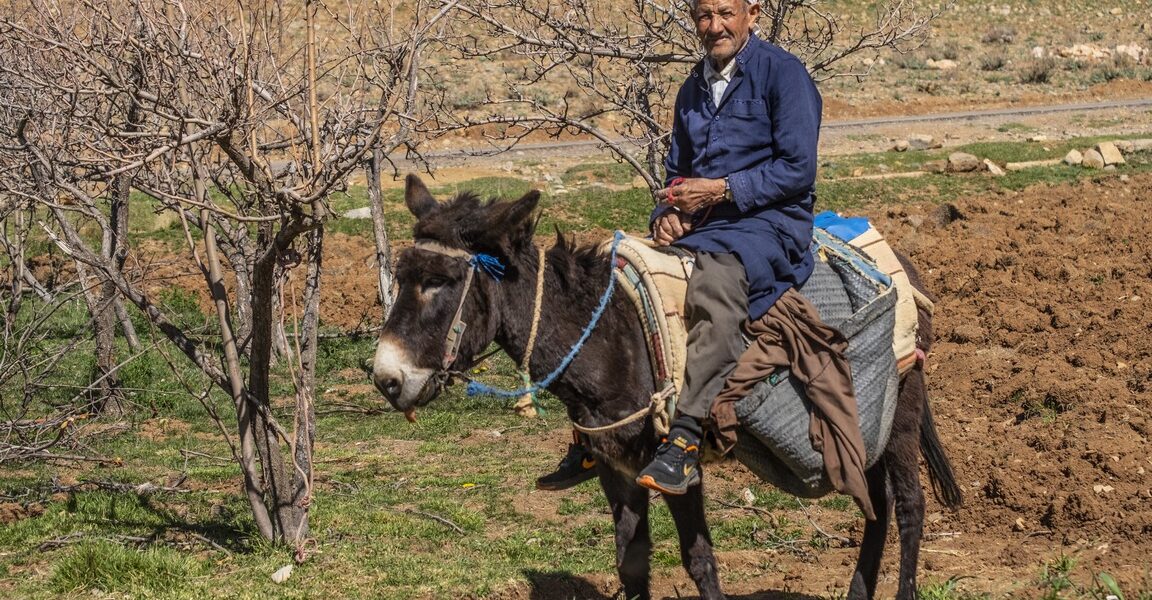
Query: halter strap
456	330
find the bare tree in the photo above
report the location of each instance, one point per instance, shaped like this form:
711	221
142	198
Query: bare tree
619	64
228	118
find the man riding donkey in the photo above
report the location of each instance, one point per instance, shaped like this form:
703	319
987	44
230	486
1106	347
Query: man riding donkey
740	194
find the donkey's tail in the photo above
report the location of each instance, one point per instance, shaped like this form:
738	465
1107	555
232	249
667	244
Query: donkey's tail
939	468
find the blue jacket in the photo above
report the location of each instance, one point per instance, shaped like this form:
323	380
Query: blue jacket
763	137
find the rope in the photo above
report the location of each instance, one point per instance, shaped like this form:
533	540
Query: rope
654	408
476	388
528	405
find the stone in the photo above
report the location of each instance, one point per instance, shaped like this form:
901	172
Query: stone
1125	146
1141	145
994	168
962	162
1092	160
1038	52
901	146
359	213
934	166
921	141
1110	153
1038	138
943	64
1073	158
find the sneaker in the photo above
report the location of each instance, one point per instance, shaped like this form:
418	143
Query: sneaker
676	466
577	466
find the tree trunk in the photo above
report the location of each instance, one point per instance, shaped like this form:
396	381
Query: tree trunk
104	395
380	231
296	517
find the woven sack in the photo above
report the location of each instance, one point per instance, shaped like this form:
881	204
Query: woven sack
851	295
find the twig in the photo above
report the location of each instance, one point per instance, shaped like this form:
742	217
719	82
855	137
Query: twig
51	456
142	489
839	538
434	517
948	552
186	453
747	507
206	540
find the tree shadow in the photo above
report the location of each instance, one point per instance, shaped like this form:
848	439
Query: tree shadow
225	531
562	585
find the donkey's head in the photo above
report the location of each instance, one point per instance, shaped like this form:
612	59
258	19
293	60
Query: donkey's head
447	307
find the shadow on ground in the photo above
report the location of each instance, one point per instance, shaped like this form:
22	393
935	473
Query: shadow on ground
561	585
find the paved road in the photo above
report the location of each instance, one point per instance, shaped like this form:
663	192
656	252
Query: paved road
874	134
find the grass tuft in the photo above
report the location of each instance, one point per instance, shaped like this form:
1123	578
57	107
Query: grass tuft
103	567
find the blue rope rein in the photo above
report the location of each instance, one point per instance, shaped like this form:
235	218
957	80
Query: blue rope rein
476	388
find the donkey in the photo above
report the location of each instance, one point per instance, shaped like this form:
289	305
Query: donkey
447	312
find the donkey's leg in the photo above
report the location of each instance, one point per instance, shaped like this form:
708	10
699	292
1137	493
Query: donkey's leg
629	503
903	456
695	541
872	546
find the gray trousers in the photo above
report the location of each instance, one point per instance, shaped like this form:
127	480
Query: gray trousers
716	305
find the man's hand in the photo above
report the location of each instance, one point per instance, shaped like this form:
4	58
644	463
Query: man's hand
670	226
691	195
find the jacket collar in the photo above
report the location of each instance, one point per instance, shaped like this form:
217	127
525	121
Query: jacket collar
740	59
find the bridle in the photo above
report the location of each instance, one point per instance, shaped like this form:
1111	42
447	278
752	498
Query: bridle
476	262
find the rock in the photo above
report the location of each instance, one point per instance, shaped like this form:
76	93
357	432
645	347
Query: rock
1141	145
943	64
282	574
1031	164
1038	52
1116	11
1124	146
359	213
1073	158
921	141
934	166
1092	160
1110	153
962	162
994	168
901	146
1038	138
946	214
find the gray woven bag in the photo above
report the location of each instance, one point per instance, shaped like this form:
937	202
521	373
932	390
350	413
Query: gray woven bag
774	418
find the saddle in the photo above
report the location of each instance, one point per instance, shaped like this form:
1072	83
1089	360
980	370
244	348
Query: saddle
852	292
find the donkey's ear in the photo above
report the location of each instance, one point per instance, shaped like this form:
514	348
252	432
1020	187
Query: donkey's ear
416	195
521	210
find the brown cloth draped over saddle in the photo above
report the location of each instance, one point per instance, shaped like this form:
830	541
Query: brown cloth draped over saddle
791	335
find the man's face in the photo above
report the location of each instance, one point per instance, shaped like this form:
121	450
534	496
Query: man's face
723	27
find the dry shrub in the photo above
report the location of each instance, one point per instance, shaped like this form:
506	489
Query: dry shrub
1038	71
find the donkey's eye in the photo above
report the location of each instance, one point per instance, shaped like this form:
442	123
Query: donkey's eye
433	282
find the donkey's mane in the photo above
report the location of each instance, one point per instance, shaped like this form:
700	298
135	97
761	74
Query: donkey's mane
577	264
453	221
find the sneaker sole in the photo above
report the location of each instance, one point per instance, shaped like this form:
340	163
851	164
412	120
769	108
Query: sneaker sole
650	483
